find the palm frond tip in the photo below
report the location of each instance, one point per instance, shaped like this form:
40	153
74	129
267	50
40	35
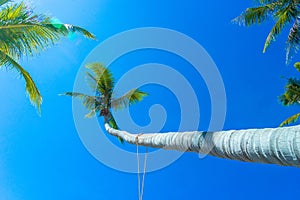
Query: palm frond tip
290	120
31	89
131	97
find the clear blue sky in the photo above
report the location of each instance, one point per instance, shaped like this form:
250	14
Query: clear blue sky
43	157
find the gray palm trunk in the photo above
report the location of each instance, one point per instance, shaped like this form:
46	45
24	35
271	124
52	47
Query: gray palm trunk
270	145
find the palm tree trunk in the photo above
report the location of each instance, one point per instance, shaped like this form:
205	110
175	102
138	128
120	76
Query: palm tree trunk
270	145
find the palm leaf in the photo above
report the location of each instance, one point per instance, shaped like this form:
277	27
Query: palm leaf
265	1
297	66
31	89
292	92
2	2
290	120
256	15
131	97
104	78
121	140
68	28
283	12
89	102
293	40
25	33
91	114
284	16
92	81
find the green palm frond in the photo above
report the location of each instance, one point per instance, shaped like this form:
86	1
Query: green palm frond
293	40
89	102
104	78
265	1
92	113
291	96
25	33
121	140
283	12
2	2
290	120
68	28
92	81
284	16
256	15
31	89
292	92
131	97
297	66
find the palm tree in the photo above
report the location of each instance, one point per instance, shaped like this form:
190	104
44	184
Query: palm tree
284	12
276	146
23	33
102	84
271	145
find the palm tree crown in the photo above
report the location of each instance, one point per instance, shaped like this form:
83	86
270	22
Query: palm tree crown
23	33
291	96
284	12
101	82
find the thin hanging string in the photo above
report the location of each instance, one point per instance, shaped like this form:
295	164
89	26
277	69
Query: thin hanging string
141	190
138	163
143	180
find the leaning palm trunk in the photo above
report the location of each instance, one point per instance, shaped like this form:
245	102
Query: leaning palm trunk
271	145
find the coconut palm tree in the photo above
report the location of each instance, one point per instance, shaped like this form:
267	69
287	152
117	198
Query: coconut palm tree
284	12
24	33
103	100
271	145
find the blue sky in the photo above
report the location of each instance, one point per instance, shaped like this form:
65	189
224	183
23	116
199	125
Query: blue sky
43	157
